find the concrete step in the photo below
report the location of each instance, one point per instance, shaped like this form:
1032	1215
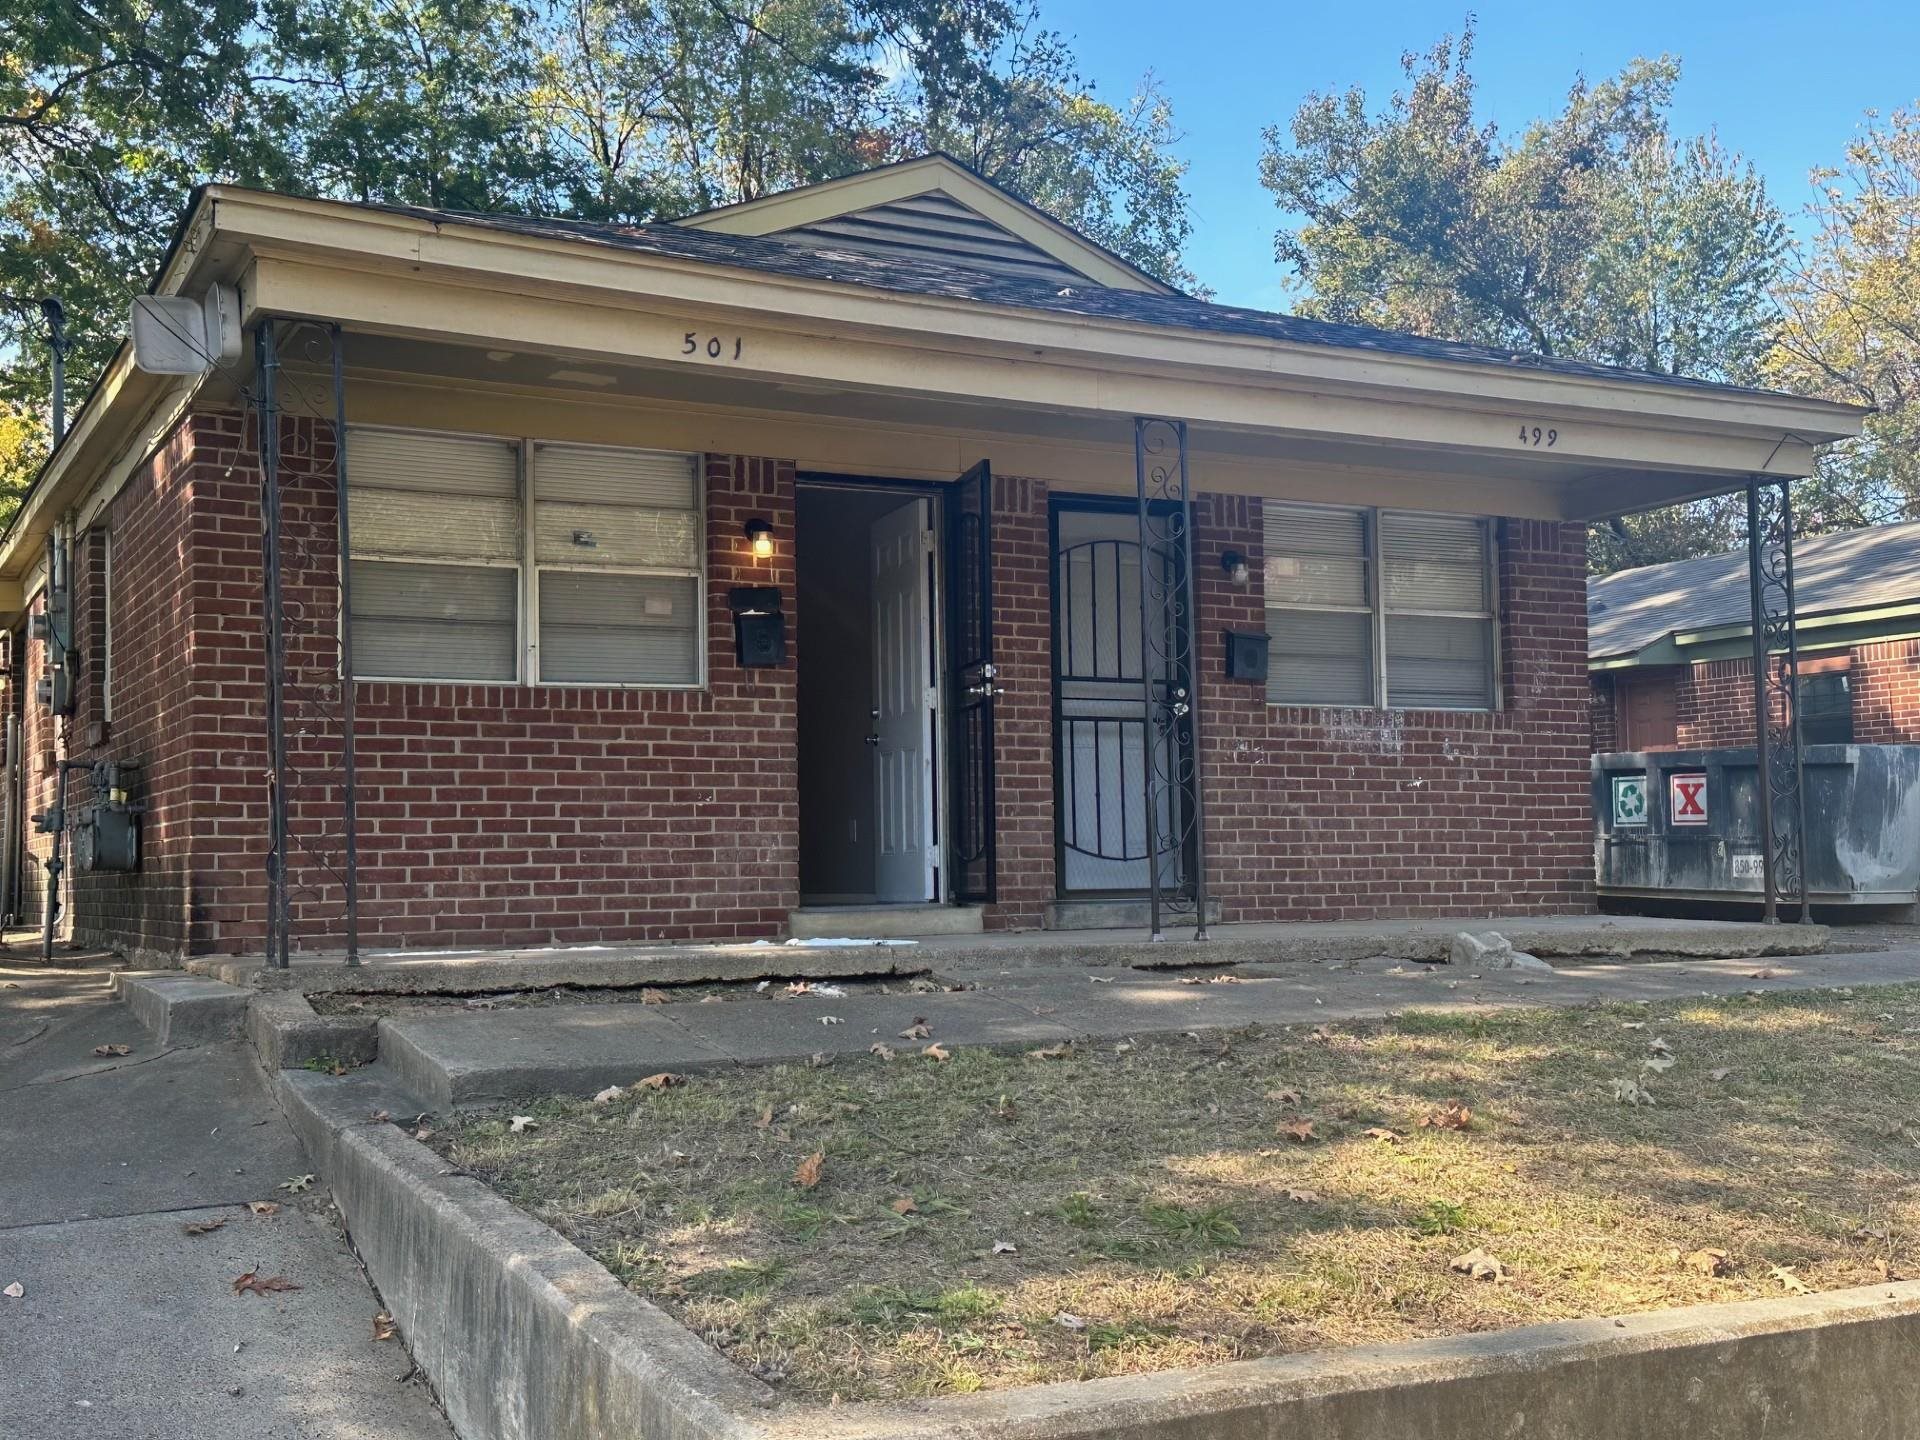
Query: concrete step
183	1010
1120	914
881	922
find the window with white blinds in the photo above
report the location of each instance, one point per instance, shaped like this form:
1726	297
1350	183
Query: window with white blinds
617	548
1379	607
436	556
609	542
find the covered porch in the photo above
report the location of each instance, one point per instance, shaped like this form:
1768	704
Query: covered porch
415	803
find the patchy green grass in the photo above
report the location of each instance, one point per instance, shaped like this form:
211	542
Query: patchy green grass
1001	1220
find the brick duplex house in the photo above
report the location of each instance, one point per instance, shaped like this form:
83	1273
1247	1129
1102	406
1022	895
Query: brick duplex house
1048	542
1670	647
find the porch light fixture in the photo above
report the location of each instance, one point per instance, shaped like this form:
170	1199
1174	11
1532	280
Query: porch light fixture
759	538
1235	564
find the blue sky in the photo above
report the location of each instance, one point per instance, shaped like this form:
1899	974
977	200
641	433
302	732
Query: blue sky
1784	84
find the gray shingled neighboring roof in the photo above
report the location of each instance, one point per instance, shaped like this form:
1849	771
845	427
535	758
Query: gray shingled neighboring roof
1848	570
955	281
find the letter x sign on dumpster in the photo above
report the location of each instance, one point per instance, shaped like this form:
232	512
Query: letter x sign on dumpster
1687	798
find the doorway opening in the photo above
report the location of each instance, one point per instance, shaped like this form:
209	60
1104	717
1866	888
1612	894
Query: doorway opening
866	592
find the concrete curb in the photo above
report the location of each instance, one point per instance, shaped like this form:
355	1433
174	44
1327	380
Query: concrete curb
286	1033
527	1338
524	1336
183	1010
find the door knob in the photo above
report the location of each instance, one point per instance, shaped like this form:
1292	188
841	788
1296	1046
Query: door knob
873	739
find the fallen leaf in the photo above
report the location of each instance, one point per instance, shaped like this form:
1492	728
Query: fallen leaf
203	1227
1450	1116
520	1124
263	1207
1659	1046
1631	1092
904	1206
663	1080
800	987
764	1120
831	1020
937	1052
651	996
1006	1109
1633	1024
380	1117
1005	1247
254	1283
1381	1133
1710	1263
819	1060
14	1291
807	1173
423	1133
1052	1052
1193	980
1298	1131
1225	980
608	1095
297	1184
113	1049
882	1049
916	1031
1289	1098
1762	974
1886	1270
1657	1064
1479	1264
1123	1047
1068	1321
1320	1034
383	1326
1719	1074
1789	1281
1301	1197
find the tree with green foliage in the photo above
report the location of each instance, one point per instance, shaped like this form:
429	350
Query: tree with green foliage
1852	326
1592	234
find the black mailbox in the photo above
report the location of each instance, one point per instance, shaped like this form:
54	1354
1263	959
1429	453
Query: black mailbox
759	625
1247	656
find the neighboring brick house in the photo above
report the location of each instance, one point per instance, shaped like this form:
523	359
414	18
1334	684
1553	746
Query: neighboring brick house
586	464
1669	647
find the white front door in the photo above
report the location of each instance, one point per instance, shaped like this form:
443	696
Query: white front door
904	697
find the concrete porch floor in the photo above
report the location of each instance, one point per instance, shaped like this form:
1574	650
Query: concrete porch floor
466	971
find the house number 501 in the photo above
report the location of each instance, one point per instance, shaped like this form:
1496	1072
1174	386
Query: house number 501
1535	438
714	347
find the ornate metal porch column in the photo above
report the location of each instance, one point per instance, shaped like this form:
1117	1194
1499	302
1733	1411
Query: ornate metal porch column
1175	807
1780	782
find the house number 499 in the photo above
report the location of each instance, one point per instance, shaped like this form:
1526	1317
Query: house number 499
1536	438
714	347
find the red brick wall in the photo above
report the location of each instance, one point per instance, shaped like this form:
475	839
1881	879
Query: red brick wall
1715	698
501	815
1023	716
1334	814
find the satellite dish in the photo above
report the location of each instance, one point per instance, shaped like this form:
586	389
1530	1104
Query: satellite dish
182	335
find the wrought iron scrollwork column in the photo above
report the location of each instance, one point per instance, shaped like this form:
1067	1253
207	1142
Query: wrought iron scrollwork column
1780	779
1176	840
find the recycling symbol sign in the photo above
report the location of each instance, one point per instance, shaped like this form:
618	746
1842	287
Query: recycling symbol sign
1629	799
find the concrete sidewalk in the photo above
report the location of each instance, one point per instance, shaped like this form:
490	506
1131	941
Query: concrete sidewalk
453	1058
127	1325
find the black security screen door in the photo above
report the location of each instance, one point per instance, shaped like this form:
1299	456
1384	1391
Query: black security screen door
971	684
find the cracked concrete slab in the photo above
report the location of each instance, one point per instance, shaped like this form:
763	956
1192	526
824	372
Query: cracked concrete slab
126	1324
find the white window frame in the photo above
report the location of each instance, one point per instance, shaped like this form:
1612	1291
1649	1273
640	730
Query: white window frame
527	587
531	568
1377	610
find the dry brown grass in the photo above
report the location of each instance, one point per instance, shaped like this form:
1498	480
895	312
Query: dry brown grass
1152	1193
